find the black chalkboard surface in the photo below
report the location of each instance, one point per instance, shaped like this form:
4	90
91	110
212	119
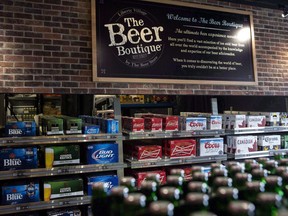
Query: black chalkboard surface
171	42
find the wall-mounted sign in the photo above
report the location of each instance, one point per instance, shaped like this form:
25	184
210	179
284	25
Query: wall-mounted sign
171	42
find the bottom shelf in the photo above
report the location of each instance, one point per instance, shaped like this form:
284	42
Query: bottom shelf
43	205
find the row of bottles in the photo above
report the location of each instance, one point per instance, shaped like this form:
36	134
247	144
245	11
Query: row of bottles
253	187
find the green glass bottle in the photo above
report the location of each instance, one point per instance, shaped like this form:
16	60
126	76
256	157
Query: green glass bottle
271	166
99	201
195	202
154	177
268	204
161	208
281	170
129	182
176	181
217	173
279	155
178	172
241	208
214	166
231	164
235	169
251	190
196	186
149	189
202	213
283	162
117	196
171	194
134	204
221	182
240	180
259	174
274	185
262	160
200	177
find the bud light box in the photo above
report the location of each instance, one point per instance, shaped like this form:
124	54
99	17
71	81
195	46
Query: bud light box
22	192
18	158
18	129
109	180
102	153
90	129
211	146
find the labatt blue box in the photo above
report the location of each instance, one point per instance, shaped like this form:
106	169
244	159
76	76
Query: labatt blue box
110	125
18	158
110	181
21	192
20	128
102	153
90	129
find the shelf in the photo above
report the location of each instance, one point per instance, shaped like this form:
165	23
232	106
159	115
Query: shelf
50	140
171	134
257	154
147	105
57	171
253	130
43	205
133	164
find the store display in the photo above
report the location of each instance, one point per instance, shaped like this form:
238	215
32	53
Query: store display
211	146
71	125
232	121
51	125
18	129
90	129
152	124
109	181
146	152
241	144
102	153
269	142
180	148
133	124
193	123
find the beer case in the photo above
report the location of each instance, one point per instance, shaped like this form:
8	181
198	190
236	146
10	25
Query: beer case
153	124
283	119
211	146
62	155
20	192
269	142
110	126
64	212
147	152
256	121
20	128
170	123
193	123
133	124
60	188
18	158
71	125
52	125
234	121
102	153
110	181
284	141
180	148
244	144
90	129
272	118
141	176
214	122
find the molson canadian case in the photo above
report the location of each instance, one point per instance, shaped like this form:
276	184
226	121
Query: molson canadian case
102	153
234	121
256	121
269	142
141	176
20	192
211	146
110	181
194	123
153	124
147	152
62	188
18	158
18	129
180	148
242	144
133	124
62	155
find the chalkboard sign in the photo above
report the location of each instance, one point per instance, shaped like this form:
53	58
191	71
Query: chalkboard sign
171	42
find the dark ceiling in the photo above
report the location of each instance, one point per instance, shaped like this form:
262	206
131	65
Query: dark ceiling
273	4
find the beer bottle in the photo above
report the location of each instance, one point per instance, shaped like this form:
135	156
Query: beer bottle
240	180
99	200
195	202
198	176
235	169
279	155
221	182
252	189
241	208
248	163
214	166
149	189
259	175
117	196
280	170
161	208
171	194
176	181
202	213
221	199
154	177
197	186
134	204
178	172
231	164
283	162
262	160
274	185
268	204
129	182
217	173
195	169
271	166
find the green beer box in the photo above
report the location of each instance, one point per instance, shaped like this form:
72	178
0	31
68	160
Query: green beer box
61	188
62	155
284	141
52	125
72	125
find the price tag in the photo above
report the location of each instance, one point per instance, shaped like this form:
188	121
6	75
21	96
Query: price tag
151	135
63	170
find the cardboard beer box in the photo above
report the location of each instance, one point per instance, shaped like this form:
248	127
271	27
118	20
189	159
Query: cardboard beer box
244	144
269	142
141	176
60	188
153	124
102	153
90	129
169	122
62	155
284	119
256	121
180	148
193	123
214	122
20	128
52	125
65	212
20	192
133	124
71	125
211	146
235	121
109	180
18	158
147	152
110	126
272	118
284	141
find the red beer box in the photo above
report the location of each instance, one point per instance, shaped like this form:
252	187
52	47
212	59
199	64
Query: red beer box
141	176
153	123
180	148
133	124
147	152
170	123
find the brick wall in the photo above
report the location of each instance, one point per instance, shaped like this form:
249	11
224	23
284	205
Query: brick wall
45	47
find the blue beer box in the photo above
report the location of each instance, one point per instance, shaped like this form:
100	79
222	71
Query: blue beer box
22	192
90	129
20	128
110	181
110	126
18	158
102	153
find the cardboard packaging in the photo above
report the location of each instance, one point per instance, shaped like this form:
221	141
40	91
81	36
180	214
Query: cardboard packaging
153	124
269	142
19	129
141	176
102	153
109	180
243	144
52	125
193	123
147	152
133	124
71	125
256	121
180	148
211	146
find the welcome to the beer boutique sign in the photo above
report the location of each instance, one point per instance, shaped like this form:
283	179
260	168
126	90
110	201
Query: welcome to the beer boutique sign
171	42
